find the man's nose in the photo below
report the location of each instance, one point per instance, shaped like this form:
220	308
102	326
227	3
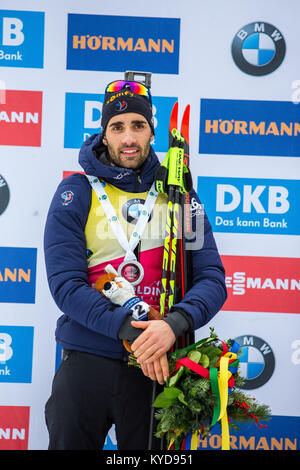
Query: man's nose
128	138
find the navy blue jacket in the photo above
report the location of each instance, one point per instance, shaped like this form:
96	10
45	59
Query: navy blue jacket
89	322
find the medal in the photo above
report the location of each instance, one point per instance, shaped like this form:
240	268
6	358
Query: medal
131	269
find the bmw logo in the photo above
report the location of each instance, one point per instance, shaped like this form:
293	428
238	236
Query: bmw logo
132	209
4	194
258	48
257	361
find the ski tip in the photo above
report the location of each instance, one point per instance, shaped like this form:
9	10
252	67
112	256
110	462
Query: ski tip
185	123
175	106
174	117
186	114
173	123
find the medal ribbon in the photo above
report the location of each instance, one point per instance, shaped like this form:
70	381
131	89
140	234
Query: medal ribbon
129	246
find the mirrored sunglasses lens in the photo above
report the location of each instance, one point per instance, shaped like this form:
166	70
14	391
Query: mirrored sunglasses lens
135	87
115	86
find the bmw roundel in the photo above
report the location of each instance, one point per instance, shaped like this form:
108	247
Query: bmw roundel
132	209
257	361
258	48
4	194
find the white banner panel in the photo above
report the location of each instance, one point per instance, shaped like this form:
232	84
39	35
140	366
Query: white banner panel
239	70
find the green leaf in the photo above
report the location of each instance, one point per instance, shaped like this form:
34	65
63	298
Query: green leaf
172	381
166	398
171	392
162	401
195	356
181	398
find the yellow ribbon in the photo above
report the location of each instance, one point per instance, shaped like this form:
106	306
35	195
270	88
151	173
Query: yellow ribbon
194	440
223	377
171	443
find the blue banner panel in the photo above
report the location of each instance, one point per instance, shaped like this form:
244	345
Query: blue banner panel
16	348
251	205
280	433
17	274
119	43
21	38
246	127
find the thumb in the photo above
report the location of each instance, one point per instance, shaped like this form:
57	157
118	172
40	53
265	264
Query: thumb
140	324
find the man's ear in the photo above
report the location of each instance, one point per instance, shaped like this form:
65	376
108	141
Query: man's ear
104	140
152	138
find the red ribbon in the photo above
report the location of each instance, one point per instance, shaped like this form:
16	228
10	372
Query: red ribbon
192	365
185	361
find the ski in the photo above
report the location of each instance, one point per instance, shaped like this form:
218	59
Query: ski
173	123
184	259
184	256
173	178
186	220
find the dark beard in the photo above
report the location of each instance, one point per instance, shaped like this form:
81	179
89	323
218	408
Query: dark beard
116	160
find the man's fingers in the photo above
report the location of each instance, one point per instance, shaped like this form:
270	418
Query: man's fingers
165	366
144	368
156	340
145	351
158	372
150	371
142	338
140	324
151	355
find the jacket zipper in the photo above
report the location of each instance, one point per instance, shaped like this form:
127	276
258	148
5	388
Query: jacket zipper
137	182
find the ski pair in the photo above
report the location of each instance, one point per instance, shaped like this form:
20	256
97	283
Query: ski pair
174	179
184	259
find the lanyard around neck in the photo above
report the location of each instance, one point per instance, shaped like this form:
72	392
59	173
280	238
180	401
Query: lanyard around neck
145	213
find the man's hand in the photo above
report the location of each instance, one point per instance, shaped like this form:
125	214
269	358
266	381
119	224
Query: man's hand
157	370
155	341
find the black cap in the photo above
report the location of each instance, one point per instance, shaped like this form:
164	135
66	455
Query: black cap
125	101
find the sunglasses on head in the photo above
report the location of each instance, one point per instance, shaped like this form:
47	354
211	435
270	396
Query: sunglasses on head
135	87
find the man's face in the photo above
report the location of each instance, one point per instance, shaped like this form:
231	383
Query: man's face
128	140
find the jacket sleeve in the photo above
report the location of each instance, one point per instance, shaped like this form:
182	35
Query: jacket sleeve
66	264
208	292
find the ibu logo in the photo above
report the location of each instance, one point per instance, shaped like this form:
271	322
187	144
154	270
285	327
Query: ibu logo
83	119
118	43
21	39
251	205
16	348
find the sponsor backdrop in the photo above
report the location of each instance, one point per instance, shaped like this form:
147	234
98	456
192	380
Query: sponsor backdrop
239	69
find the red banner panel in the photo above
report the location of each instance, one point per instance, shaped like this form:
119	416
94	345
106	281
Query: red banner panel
262	284
21	118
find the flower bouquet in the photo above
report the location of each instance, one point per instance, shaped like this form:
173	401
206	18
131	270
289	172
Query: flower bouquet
202	389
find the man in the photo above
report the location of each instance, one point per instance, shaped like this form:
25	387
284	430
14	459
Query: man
91	222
